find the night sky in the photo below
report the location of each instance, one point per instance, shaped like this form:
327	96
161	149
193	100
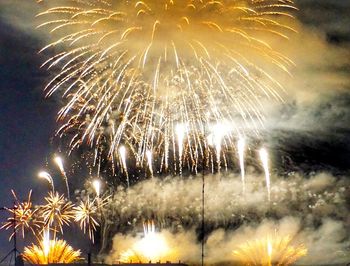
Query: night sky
311	131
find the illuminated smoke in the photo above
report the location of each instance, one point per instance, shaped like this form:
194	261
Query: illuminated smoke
265	163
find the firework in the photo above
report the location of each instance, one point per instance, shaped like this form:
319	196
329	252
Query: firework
50	251
23	216
58	160
180	132
218	132
97	187
122	153
48	178
265	163
241	148
131	71
84	214
152	247
270	251
57	211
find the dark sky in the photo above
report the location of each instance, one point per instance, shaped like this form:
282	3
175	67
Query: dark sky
28	120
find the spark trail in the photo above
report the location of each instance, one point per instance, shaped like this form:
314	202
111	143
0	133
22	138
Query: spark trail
131	71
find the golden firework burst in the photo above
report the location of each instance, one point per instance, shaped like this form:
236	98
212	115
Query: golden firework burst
152	247
57	211
131	71
86	214
52	251
23	216
272	250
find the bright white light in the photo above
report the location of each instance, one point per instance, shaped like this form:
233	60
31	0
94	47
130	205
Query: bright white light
46	242
241	150
47	177
58	160
122	153
218	132
153	245
97	186
269	248
180	132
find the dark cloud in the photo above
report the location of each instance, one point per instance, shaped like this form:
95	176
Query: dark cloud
332	17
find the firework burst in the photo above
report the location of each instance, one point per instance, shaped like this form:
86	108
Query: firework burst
57	211
84	214
131	71
270	251
23	216
51	251
151	247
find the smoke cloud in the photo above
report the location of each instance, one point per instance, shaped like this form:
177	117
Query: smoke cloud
312	210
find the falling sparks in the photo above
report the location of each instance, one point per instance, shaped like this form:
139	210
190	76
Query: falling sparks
149	161
219	131
122	153
265	163
48	178
58	160
269	251
180	134
130	71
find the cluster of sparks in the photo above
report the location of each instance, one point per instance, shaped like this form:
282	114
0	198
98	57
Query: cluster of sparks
272	250
168	79
22	216
56	212
85	214
50	251
158	76
152	247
